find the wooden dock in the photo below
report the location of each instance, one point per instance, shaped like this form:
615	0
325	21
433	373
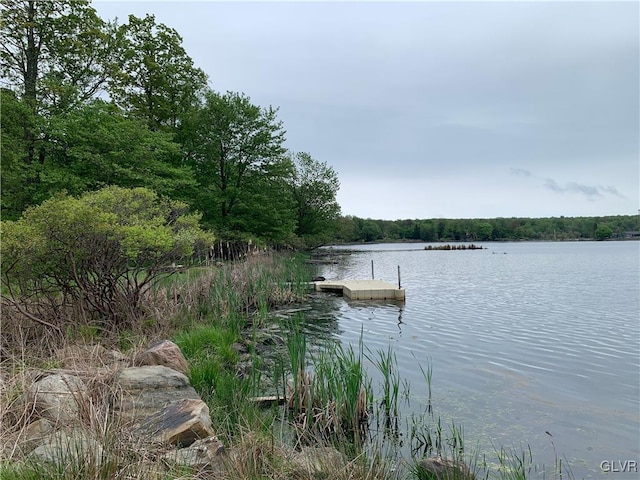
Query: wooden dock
362	289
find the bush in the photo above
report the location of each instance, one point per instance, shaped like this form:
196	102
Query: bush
96	254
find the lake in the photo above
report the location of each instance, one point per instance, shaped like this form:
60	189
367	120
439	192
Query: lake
530	344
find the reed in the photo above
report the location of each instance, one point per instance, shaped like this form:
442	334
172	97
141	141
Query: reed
329	395
386	364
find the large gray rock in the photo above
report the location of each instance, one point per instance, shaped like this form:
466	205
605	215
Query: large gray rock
58	397
143	392
161	406
165	353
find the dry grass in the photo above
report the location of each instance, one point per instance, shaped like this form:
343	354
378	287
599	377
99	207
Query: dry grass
30	350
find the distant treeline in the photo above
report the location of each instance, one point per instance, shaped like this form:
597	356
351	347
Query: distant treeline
354	229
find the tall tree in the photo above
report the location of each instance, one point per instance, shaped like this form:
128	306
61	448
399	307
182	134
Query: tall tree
157	80
55	53
236	150
314	187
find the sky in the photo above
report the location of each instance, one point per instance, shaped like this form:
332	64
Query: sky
437	109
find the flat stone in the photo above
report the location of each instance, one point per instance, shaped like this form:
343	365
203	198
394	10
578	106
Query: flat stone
316	462
145	391
35	433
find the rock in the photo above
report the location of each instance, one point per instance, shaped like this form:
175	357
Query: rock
114	356
28	438
181	423
317	462
70	449
35	433
165	353
57	397
200	454
161	405
438	468
144	392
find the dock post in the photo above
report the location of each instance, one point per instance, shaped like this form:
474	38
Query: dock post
399	287
372	277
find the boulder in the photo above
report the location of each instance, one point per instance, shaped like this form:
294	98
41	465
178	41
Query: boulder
438	468
69	449
35	433
181	423
58	397
165	353
161	406
143	392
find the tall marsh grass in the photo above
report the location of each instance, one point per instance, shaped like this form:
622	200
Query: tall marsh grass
329	395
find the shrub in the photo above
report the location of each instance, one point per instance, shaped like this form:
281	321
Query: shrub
96	254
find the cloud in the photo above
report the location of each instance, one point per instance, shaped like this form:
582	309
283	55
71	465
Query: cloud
613	191
590	191
521	172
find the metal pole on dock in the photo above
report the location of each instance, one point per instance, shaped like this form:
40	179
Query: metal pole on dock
399	287
372	277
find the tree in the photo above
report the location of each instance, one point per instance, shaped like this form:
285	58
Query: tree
15	180
56	53
157	80
369	230
483	230
314	186
236	150
97	145
603	232
95	254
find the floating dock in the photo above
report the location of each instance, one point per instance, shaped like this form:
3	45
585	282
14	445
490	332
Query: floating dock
362	289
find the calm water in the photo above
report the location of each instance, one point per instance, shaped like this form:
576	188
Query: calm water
523	339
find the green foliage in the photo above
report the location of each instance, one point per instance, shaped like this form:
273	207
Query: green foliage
314	186
58	133
156	80
354	229
97	145
18	176
98	252
58	54
236	150
603	232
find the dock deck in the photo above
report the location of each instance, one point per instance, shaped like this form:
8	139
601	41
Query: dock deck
362	289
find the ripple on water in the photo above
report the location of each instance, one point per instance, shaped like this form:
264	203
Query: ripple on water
543	338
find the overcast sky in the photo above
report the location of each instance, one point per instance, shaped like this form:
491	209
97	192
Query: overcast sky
437	109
